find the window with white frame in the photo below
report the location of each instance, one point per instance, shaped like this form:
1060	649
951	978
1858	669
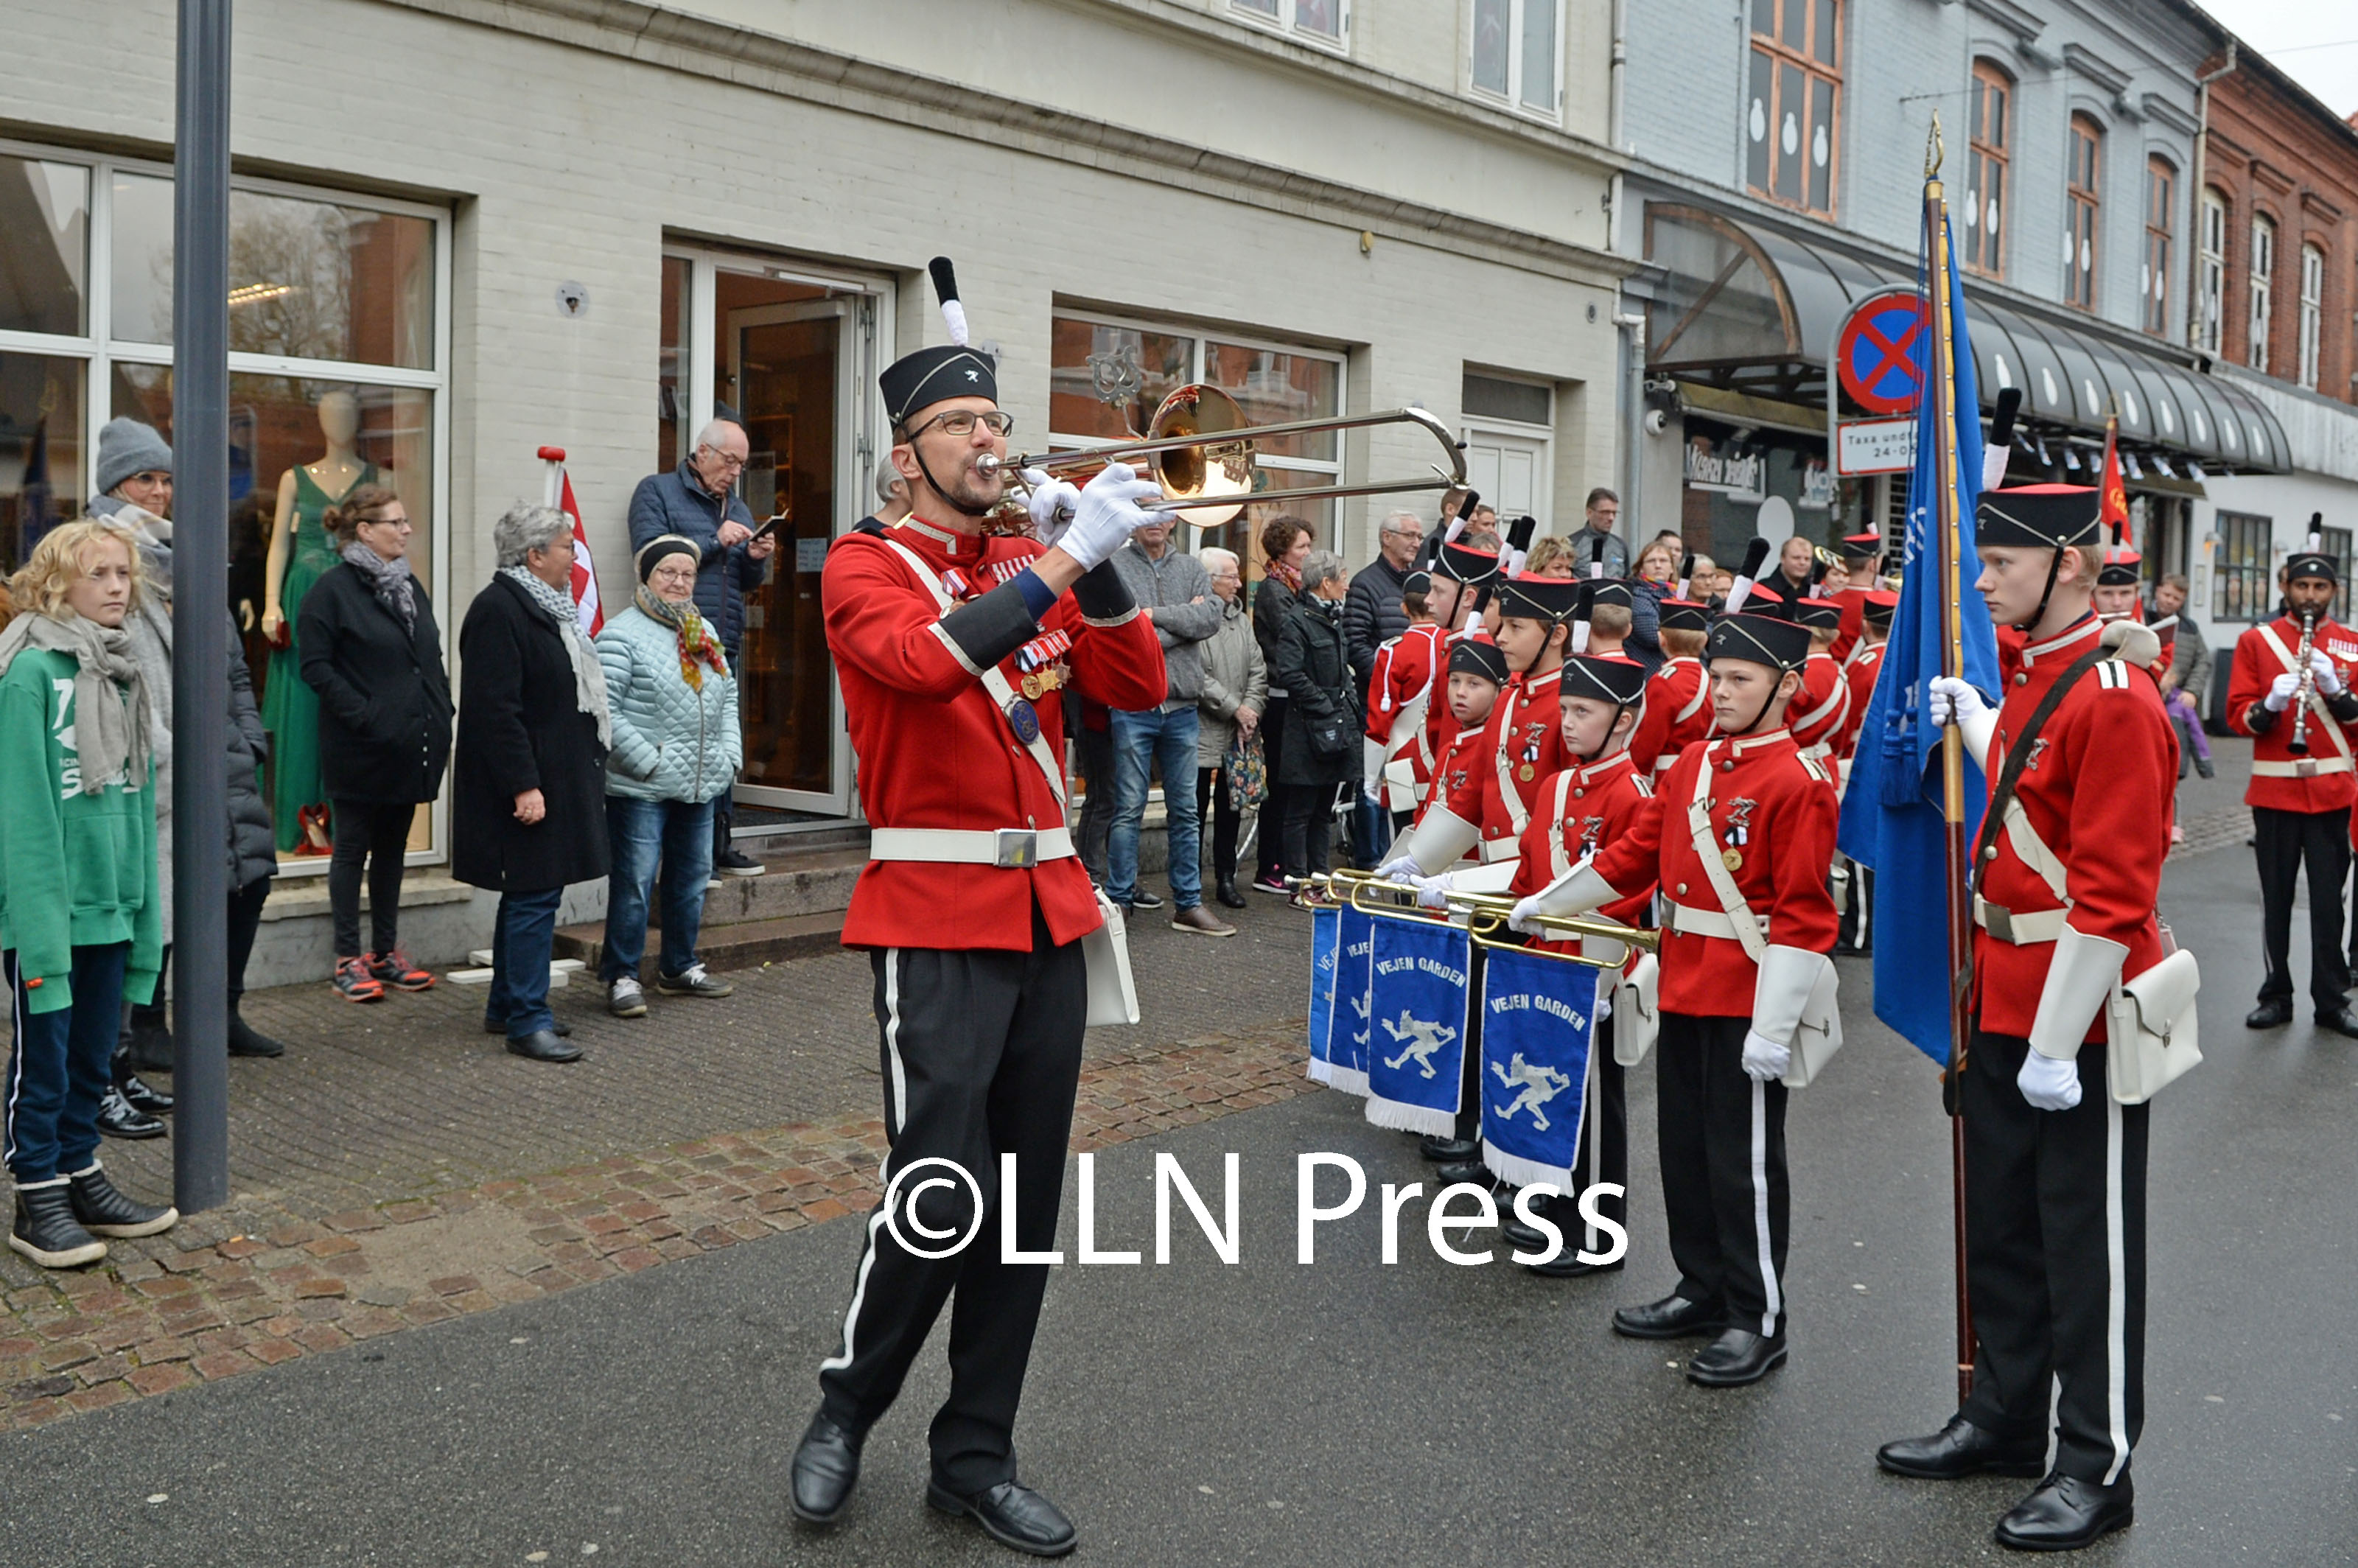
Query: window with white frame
1324	22
2264	266
2313	311
1108	375
2211	273
1516	52
338	351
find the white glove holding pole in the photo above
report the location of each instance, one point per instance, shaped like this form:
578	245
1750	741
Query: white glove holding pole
2329	679
2047	1082
1053	505
1105	514
1950	701
1765	1061
2281	693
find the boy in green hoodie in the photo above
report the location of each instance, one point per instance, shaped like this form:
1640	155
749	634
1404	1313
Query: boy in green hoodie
81	922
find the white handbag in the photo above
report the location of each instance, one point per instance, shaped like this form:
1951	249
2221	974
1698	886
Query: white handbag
1637	1012
1818	1035
2150	1034
1113	999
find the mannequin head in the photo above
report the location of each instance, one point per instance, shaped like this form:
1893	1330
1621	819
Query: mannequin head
339	418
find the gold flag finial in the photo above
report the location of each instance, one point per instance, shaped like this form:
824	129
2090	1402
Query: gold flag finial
1935	151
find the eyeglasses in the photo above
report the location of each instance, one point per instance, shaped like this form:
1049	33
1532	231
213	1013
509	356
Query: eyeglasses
671	574
727	460
962	421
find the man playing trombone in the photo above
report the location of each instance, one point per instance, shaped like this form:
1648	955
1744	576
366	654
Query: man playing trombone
2290	692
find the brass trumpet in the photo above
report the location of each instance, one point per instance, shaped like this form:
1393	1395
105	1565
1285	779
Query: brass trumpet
1491	909
1202	449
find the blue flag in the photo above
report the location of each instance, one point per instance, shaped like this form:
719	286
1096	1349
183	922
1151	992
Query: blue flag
1421	978
1325	946
1892	818
1538	1022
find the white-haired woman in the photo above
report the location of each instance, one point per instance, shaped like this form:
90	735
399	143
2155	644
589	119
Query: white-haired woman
528	809
1236	690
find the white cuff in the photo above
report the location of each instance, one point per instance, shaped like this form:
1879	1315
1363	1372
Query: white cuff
1979	728
1440	841
2080	977
1576	891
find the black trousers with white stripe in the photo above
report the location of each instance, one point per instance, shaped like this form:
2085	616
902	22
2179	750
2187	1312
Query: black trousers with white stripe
2055	1261
982	1056
1724	1192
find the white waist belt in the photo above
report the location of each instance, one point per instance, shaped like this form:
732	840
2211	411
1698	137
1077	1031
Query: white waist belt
2022	930
2307	768
1010	847
1705	921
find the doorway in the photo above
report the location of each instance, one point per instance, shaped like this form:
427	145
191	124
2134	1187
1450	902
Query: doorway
1510	472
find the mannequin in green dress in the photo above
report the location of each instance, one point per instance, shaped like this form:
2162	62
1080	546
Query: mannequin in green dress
300	551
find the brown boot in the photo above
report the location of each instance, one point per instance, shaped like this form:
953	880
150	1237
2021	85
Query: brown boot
1198	921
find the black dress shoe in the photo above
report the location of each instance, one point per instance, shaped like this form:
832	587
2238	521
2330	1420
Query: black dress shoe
1960	1449
1448	1151
118	1119
561	1028
1473	1170
1567	1265
1737	1358
2066	1513
2273	1013
244	1040
827	1463
542	1045
145	1100
2341	1020
1228	894
1523	1237
1672	1317
1011	1514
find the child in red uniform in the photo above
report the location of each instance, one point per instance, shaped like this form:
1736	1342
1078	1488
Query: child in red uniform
1402	688
1677	697
1730	1022
1823	710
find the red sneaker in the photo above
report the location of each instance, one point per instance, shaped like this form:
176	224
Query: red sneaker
395	970
354	983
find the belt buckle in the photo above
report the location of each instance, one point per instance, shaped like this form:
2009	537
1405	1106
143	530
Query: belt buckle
1019	848
1998	920
2305	769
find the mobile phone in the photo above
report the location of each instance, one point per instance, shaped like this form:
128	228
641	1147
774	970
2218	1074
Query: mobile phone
769	525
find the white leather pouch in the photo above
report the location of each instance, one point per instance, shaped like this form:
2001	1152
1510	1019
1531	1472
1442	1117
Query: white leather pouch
1113	999
1637	1012
2150	1035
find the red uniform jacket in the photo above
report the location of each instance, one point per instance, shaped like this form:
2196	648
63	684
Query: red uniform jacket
1523	743
1440	723
935	751
1677	710
1453	771
1405	667
1860	673
1821	708
1853	617
2098	795
1771	806
2276	783
1600	802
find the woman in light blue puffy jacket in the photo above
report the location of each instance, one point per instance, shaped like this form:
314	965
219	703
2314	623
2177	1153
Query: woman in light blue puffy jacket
676	746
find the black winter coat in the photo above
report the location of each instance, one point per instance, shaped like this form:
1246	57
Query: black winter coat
253	850
519	729
1316	673
384	697
1372	614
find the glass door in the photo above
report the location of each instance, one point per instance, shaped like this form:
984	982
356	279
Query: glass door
791	369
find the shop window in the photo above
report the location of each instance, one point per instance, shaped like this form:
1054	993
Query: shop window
1106	377
2211	273
44	246
1516	49
1790	130
2081	230
1992	105
2153	274
1324	22
2242	587
42	404
2313	311
2335	542
2264	266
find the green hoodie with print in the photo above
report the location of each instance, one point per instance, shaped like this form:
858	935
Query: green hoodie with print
76	870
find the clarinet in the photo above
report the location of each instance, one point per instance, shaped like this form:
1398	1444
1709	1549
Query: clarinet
2299	744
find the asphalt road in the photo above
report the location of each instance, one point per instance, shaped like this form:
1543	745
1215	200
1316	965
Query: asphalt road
1269	1413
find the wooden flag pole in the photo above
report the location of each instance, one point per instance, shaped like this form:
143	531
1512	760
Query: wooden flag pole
1942	387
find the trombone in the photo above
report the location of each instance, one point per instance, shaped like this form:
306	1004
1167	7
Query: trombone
1202	451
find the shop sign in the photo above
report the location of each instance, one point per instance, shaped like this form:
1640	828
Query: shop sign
1875	445
1817	486
1736	473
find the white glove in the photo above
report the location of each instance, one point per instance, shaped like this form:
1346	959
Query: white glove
1949	700
1765	1061
1105	514
1432	892
2329	679
1604	1003
1526	909
1052	504
2048	1083
1404	869
2280	695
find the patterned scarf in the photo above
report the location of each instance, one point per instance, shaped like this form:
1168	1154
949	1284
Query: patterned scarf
112	717
698	645
1290	576
389	581
588	675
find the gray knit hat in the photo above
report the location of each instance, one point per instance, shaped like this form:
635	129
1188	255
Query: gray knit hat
126	446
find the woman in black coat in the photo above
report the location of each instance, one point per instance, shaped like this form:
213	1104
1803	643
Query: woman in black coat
1285	543
528	810
372	651
1321	749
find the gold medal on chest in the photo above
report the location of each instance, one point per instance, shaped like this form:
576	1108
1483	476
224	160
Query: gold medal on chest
1732	859
1526	772
1031	687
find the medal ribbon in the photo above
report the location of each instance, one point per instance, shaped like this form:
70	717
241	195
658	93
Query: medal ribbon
1040	650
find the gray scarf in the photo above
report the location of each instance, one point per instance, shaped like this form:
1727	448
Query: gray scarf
588	675
389	581
111	713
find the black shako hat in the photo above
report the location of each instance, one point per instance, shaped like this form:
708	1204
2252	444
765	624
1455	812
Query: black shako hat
1878	609
1479	656
1529	598
1770	640
1824	614
916	381
2037	516
2310	559
1862	547
1606	592
1604	678
2120	569
1463	563
1684	615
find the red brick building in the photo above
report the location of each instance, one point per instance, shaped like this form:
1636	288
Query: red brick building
2275	273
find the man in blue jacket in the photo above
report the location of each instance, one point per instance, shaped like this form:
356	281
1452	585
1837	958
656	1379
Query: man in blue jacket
697	499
